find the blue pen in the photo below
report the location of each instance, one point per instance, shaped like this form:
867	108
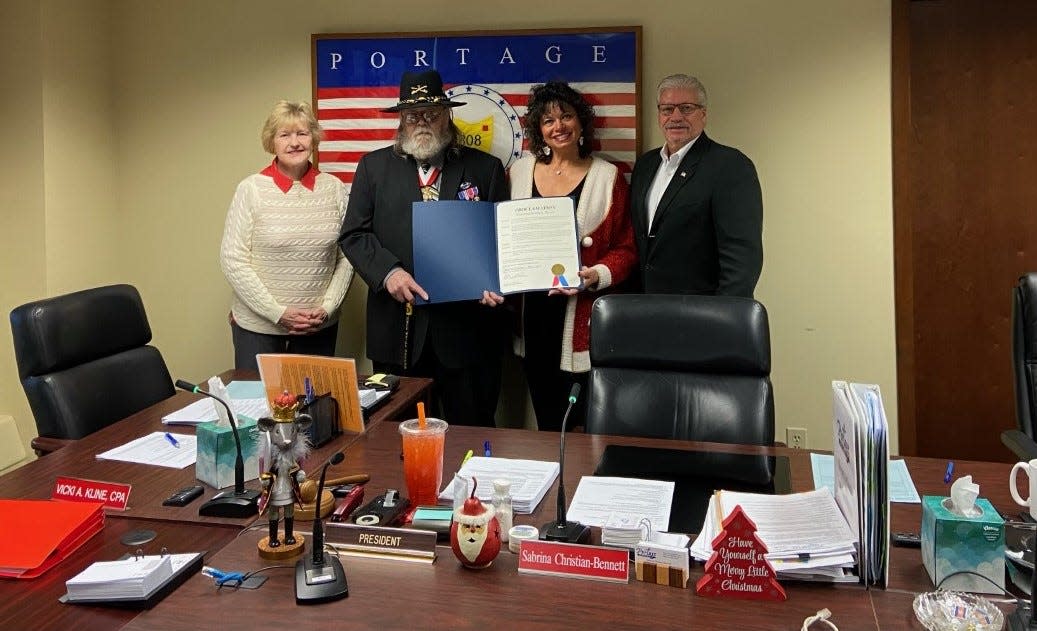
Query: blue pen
950	471
486	448
308	385
172	441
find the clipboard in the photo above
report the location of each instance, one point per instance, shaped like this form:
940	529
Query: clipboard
176	579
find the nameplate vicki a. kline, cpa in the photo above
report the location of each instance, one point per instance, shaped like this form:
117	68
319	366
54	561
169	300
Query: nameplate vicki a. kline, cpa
405	544
576	561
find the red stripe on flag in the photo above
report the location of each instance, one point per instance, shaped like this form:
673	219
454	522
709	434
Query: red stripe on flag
614	121
360	134
358	92
342	156
595	98
614	144
360	112
345	176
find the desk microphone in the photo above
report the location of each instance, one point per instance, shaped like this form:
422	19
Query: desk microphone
560	529
319	577
240	502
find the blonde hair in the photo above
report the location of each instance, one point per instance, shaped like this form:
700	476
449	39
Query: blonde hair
284	114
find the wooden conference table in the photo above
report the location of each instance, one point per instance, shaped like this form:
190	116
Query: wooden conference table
394	594
397	595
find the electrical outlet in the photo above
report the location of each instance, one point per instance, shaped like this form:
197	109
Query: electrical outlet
796	437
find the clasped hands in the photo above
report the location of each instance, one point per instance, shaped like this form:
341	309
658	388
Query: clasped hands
302	321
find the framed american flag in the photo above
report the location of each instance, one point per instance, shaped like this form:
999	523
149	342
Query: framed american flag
355	76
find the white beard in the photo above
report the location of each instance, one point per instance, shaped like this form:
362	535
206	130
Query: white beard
424	144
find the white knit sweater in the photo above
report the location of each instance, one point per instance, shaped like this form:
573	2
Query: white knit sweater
281	250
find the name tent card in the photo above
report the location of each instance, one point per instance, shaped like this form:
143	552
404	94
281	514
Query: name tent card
738	568
405	544
575	561
112	494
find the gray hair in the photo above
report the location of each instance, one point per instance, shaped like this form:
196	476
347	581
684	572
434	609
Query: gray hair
683	82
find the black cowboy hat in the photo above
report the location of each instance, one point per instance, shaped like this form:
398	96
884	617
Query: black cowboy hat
421	89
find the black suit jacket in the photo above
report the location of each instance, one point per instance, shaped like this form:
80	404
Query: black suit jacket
376	236
707	235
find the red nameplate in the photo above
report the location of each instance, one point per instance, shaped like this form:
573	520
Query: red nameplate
111	494
565	559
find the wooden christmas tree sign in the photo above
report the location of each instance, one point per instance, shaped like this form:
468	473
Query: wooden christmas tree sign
738	568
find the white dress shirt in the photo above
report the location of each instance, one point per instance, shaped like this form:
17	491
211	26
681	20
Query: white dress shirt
667	168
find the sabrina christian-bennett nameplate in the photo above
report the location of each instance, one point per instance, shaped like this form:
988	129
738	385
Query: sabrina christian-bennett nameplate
405	544
565	559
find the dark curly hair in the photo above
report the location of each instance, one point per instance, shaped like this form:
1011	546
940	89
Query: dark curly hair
541	97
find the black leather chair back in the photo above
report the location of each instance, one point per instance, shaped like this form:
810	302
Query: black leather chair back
683	367
84	361
1024	352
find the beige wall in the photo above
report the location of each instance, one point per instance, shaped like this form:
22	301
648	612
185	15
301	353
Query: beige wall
801	86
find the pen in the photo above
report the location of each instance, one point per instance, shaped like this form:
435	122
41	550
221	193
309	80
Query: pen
308	386
486	448
172	441
466	457
950	471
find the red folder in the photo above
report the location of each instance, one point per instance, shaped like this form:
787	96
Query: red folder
35	535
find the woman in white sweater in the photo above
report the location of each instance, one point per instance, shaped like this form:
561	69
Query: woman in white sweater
280	249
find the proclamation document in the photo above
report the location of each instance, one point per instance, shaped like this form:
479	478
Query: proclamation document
536	244
462	248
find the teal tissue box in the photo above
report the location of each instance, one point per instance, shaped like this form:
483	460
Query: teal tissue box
954	543
216	452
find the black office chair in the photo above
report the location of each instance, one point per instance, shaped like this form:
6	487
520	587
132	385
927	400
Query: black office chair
1024	364
84	362
682	367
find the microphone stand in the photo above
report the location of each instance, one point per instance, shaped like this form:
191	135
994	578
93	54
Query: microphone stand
240	502
319	577
560	529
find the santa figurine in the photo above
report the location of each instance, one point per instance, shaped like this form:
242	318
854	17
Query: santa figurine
475	533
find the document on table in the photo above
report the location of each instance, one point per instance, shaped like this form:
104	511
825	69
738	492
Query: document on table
901	486
530	480
155	449
597	497
794	524
204	410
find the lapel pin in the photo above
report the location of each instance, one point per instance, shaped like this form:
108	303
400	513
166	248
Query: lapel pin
683	174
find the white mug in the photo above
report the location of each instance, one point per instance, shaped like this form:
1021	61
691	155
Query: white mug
1031	472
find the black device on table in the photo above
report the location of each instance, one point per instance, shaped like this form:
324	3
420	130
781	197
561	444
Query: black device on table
184	496
384	510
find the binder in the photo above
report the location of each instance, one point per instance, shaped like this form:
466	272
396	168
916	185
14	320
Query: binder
182	567
36	535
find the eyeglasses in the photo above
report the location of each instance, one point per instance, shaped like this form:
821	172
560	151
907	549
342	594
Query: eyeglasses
686	109
429	116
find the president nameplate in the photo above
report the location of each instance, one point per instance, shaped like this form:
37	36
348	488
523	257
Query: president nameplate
404	544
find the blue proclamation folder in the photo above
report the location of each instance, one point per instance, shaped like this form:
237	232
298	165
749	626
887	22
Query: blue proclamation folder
455	249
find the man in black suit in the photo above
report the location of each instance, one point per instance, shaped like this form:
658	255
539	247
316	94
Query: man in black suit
458	344
696	205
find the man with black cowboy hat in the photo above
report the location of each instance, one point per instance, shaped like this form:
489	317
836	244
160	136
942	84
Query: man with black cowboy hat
458	344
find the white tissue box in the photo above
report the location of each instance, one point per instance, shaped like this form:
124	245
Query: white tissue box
954	543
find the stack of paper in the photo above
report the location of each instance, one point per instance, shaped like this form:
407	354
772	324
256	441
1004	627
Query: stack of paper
597	498
806	535
530	480
626	530
204	410
157	449
141	580
133	578
861	453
